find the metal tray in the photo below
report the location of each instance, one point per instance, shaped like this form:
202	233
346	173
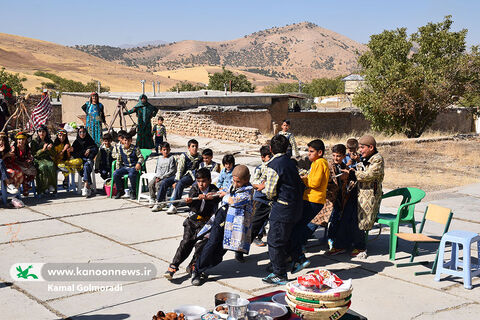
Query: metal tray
279	298
276	310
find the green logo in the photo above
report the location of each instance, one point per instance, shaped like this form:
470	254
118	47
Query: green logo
24	274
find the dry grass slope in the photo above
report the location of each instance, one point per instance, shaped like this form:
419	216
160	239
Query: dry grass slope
25	55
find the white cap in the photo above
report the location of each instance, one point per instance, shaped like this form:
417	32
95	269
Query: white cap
45	90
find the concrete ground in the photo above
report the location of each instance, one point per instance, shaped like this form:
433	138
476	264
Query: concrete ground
69	228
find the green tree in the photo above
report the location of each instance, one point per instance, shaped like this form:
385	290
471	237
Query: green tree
186	86
324	87
470	68
281	88
410	80
67	85
14	81
240	82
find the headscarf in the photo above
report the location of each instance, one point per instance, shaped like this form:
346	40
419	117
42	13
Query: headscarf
57	139
140	102
92	95
48	139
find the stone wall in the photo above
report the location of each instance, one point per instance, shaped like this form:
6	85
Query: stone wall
195	124
259	119
316	124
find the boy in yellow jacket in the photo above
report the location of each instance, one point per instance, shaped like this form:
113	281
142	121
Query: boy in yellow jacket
314	198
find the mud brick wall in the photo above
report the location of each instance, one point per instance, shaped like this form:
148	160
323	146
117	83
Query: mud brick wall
204	125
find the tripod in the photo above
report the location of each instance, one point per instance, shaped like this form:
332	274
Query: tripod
121	108
20	116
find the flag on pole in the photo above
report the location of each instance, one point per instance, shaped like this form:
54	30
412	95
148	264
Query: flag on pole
41	112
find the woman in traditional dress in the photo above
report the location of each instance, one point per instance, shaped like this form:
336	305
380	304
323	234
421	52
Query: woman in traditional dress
95	117
63	159
85	148
24	160
145	112
9	171
44	155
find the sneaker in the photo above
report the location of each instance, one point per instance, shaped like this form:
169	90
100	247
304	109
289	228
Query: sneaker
334	252
84	192
133	196
158	207
51	189
259	243
172	209
65	183
330	244
151	203
11	189
239	257
170	272
89	193
272	278
358	253
299	266
199	279
120	193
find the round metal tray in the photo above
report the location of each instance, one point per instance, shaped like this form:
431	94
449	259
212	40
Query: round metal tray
276	310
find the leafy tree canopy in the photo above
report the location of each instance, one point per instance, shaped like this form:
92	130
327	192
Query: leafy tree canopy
410	80
240	82
186	86
14	81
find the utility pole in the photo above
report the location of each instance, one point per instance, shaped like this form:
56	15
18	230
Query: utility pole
299	86
143	86
225	87
98	86
153	85
158	86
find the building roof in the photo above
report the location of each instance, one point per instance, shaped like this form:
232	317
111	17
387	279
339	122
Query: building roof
180	95
354	77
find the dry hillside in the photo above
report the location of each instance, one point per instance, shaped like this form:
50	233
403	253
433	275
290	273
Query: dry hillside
299	51
25	55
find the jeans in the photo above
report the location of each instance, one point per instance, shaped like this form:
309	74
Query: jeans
132	176
261	212
343	228
87	170
185	182
163	188
301	232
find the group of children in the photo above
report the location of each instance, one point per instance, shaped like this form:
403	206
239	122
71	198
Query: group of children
231	216
226	210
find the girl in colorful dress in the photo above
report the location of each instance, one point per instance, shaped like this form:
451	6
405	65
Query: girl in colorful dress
85	148
23	158
63	158
44	155
95	117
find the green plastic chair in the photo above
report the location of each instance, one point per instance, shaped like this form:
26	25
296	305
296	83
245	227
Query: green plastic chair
146	154
405	213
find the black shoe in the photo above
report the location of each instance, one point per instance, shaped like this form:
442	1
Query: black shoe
199	279
133	196
239	257
65	183
120	193
272	278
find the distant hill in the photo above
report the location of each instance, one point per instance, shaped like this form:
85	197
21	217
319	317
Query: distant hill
299	51
143	44
25	56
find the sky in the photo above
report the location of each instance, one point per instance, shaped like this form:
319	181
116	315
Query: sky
118	22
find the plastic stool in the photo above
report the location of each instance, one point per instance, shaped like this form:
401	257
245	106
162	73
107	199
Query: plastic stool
465	238
148	176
